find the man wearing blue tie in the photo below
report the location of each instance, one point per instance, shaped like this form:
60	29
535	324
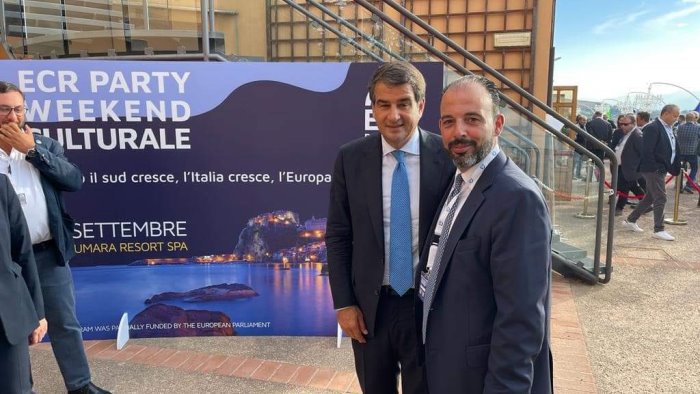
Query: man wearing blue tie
385	191
484	288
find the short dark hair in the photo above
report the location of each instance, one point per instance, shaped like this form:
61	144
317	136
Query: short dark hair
644	115
490	87
7	87
630	118
669	107
398	73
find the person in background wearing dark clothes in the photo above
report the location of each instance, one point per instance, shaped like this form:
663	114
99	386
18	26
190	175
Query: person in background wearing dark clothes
581	140
688	137
627	144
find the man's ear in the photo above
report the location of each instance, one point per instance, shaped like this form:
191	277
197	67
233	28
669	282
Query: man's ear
499	121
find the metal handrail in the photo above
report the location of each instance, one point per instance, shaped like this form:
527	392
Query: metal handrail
3	29
530	144
519	149
561	136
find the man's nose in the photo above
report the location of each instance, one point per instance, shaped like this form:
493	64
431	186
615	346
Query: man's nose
394	113
12	116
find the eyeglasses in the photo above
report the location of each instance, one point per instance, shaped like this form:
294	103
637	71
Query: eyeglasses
6	109
624	124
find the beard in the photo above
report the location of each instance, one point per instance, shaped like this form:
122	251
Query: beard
465	161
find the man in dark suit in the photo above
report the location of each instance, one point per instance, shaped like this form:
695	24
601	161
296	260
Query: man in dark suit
39	173
600	129
22	320
627	144
659	156
485	283
384	193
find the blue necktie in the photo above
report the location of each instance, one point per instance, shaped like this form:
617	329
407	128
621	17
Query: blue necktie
400	240
446	227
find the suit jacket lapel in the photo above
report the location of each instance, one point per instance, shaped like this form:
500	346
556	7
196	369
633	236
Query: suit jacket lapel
431	177
468	210
372	174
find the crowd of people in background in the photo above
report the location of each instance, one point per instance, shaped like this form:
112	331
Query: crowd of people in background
646	151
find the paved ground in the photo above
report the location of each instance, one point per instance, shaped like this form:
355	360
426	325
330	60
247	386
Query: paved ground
638	334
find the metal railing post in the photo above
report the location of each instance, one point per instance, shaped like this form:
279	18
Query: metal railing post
589	177
3	31
676	202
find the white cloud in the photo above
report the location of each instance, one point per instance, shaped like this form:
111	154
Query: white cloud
665	20
617	22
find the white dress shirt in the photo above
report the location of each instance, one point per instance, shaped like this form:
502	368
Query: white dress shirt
412	158
671	138
26	180
470	176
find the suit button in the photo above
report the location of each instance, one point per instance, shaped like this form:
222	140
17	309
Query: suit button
376	292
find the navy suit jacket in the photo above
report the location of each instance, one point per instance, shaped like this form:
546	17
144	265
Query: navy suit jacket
21	303
355	229
488	325
656	150
57	175
631	153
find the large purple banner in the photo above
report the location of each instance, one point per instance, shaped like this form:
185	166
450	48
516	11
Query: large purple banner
206	187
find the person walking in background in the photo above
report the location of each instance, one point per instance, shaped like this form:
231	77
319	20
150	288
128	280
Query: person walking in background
627	144
602	131
581	140
40	172
643	118
22	320
688	135
659	156
484	291
385	190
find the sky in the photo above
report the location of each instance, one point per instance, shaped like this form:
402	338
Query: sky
611	48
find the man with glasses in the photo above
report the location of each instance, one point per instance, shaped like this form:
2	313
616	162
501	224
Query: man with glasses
40	172
627	144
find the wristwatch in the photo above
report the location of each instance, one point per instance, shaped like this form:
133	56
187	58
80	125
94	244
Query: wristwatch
31	154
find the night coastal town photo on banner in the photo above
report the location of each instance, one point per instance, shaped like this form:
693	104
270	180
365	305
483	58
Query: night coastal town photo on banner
205	187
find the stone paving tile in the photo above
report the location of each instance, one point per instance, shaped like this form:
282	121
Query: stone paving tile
266	370
322	378
303	375
229	365
284	373
247	368
177	359
143	355
128	352
212	363
195	361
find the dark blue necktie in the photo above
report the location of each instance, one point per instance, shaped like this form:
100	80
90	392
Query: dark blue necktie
400	240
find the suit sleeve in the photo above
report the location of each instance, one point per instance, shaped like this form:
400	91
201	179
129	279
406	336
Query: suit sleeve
21	247
650	138
54	166
339	239
521	272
